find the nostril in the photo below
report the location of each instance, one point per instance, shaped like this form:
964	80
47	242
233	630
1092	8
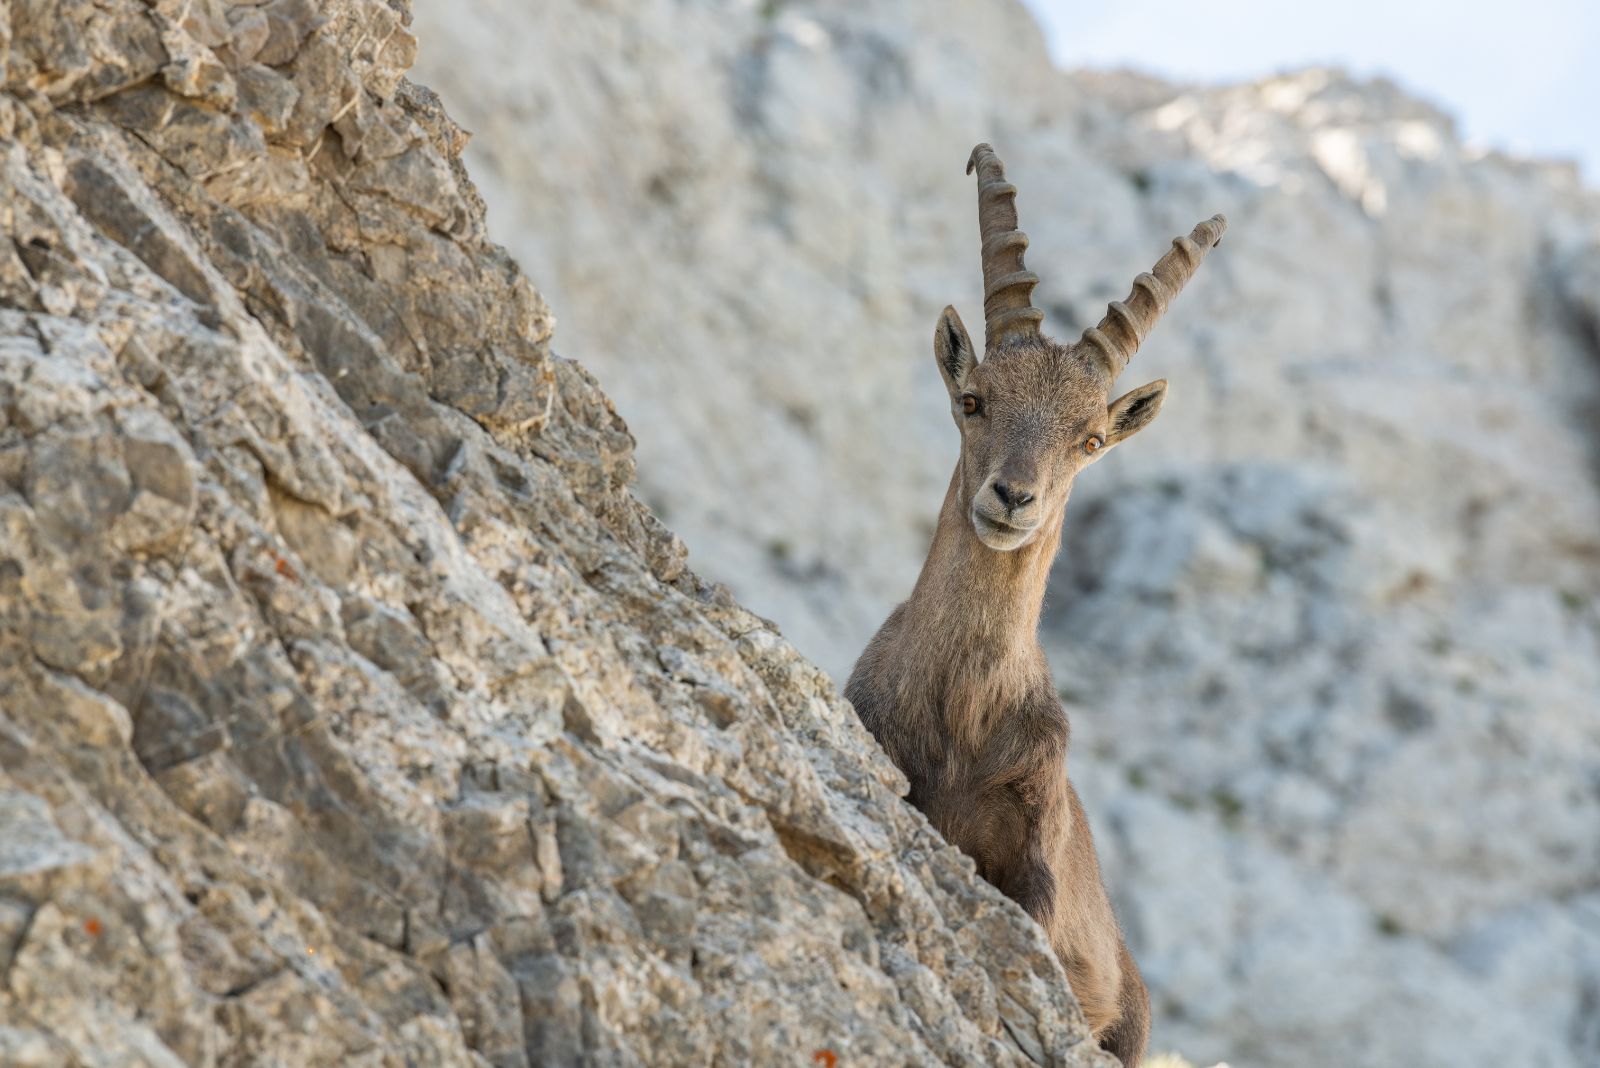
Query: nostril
1011	498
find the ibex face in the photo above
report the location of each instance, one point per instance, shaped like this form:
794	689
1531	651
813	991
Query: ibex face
1032	416
1034	413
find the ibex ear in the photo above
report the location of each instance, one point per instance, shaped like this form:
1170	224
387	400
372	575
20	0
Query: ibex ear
1133	411
952	348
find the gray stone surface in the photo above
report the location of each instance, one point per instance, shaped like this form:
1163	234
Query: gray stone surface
351	710
1328	635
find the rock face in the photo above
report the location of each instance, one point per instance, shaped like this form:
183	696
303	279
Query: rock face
1328	631
351	711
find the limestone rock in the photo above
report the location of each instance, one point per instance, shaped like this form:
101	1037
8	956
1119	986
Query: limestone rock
351	709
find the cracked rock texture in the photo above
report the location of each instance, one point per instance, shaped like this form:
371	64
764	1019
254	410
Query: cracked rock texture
351	710
1328	631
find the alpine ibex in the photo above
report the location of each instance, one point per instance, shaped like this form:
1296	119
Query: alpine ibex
954	685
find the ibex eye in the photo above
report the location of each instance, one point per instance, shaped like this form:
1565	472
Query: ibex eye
970	404
1093	445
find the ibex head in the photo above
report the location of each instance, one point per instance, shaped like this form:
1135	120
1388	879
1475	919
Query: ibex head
1034	412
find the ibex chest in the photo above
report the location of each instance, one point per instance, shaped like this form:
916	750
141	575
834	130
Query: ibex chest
978	753
994	765
998	712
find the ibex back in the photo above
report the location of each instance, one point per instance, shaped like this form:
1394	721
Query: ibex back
954	685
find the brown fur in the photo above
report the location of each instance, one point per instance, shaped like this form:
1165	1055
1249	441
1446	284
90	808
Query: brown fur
956	688
954	685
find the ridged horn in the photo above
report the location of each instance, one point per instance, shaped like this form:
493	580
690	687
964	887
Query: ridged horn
1008	310
1129	322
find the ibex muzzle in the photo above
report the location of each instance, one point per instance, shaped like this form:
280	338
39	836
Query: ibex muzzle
954	685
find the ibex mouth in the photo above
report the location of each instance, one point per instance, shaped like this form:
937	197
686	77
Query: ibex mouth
1002	537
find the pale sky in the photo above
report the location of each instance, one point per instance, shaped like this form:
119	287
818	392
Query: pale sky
1523	77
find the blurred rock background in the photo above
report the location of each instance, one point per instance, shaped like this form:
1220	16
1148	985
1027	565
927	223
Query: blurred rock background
1328	632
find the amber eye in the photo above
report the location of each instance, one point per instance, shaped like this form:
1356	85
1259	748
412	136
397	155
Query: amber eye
970	404
1093	445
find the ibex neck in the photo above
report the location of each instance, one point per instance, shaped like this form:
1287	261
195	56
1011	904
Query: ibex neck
971	600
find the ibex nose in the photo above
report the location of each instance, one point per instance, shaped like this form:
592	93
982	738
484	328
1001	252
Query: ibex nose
1010	497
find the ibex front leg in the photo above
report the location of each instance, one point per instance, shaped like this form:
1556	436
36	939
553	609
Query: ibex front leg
1028	879
1054	875
1023	771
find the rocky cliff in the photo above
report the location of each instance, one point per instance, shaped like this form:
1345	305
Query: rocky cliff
1328	631
351	711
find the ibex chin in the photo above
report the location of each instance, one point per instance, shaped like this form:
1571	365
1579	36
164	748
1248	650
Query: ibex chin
954	685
